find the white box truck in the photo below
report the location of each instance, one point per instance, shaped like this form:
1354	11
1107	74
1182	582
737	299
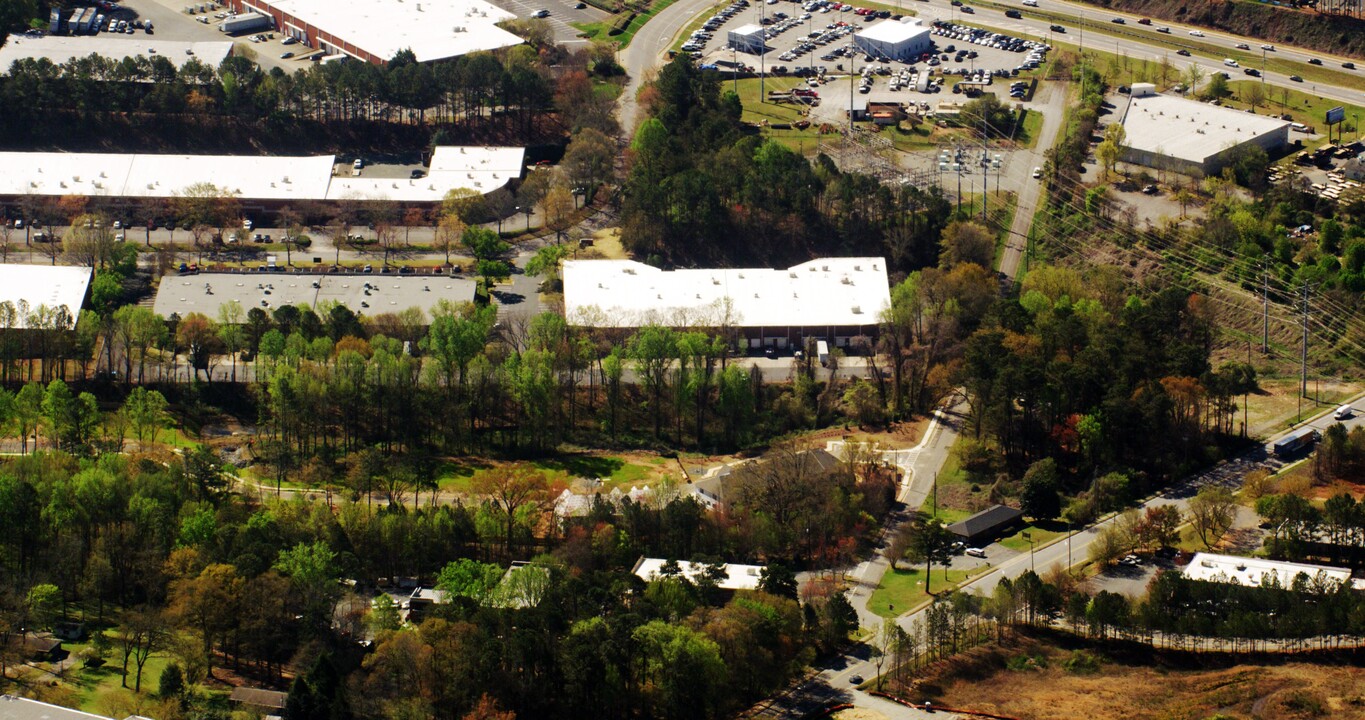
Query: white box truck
822	352
246	23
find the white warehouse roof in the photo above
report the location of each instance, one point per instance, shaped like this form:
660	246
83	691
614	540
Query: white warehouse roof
1253	572
737	577
61	49
481	169
432	29
1189	130
277	178
44	285
827	292
364	294
894	31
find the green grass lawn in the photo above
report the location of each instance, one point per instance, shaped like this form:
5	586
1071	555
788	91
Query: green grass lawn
607	89
1306	108
90	685
1030	129
902	589
946	515
458	476
602	30
1043	533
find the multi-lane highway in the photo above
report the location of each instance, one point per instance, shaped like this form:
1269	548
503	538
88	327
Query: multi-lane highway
1145	42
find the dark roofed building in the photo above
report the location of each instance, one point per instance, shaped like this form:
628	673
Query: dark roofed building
987	524
265	700
36	647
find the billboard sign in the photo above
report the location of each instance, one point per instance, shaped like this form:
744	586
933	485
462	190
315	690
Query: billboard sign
1336	115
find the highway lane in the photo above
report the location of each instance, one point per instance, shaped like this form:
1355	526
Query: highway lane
1228	474
1135	47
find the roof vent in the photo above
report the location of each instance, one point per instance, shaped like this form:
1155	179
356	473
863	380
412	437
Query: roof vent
857	309
847	280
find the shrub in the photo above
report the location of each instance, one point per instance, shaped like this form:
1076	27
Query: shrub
1082	663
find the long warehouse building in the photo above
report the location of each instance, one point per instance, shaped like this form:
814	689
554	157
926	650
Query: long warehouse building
833	299
61	50
257	182
367	295
376	30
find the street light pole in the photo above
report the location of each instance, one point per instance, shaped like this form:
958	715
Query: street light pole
1029	536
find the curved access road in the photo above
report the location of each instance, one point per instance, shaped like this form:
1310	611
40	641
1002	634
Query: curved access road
647	50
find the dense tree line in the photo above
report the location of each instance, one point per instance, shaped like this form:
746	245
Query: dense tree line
1078	371
462	91
157	549
699	180
1176	612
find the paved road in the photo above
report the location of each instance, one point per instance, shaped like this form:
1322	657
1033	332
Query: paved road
1077	548
1137	48
919	466
647	51
1021	176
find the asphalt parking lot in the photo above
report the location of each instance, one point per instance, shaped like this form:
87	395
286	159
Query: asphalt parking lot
805	40
562	13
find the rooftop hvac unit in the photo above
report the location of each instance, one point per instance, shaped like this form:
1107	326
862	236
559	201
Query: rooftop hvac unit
857	309
846	280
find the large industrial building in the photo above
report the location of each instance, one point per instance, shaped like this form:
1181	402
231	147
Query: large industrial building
895	39
260	183
1185	136
60	50
49	286
833	299
376	30
364	294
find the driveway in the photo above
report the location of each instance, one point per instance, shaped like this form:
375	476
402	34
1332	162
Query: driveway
1021	176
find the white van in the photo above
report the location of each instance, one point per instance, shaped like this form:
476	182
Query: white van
1030	3
1345	412
1230	62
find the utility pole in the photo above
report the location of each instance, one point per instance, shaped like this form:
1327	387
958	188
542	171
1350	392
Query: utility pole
1265	305
762	53
957	158
985	168
1303	362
